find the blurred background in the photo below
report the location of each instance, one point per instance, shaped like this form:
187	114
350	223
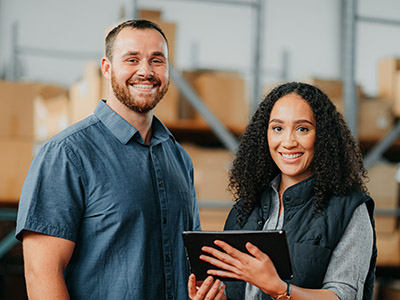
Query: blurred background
225	55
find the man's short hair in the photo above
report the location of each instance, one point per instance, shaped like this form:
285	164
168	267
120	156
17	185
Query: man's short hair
134	24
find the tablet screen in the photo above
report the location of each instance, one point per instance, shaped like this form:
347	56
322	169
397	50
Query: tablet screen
273	243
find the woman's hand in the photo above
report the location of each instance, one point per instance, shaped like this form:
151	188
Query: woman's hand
256	269
206	289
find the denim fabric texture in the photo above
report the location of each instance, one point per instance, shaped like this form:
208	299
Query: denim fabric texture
124	204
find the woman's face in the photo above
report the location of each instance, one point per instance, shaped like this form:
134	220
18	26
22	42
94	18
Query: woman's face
291	138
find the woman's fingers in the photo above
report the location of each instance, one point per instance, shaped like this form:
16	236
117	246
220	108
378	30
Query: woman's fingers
253	250
218	262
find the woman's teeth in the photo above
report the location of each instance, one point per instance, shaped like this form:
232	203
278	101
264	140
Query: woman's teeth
291	156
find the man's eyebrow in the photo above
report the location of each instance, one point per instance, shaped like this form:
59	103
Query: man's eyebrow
130	53
159	53
155	53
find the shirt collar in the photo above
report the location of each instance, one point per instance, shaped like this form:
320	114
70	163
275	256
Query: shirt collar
124	131
300	192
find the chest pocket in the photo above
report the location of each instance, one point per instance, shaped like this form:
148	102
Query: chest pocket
182	207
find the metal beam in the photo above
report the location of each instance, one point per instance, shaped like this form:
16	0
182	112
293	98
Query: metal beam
7	243
382	21
218	128
348	65
257	56
375	153
8	214
230	2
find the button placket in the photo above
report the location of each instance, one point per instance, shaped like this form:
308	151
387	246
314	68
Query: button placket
164	229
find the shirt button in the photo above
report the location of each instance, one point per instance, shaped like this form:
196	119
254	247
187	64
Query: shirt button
160	184
259	222
287	198
170	296
167	258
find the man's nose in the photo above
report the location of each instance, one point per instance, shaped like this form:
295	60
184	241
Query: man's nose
145	70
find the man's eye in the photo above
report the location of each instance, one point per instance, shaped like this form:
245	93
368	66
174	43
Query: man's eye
157	61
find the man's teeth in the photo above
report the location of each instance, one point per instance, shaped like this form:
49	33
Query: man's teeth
143	86
291	155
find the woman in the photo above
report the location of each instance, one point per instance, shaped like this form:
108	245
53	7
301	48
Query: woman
297	168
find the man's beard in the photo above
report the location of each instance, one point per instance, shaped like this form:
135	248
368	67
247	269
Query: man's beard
141	106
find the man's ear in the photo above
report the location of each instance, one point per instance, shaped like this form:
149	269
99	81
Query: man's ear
106	68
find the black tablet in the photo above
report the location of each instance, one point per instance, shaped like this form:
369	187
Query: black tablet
273	243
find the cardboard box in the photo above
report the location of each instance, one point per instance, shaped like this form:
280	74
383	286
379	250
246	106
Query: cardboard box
389	290
213	219
167	109
15	158
32	110
223	93
384	189
396	104
332	88
211	166
87	92
387	71
389	294
375	119
388	245
149	14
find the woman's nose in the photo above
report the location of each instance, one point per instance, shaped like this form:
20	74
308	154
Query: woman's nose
289	140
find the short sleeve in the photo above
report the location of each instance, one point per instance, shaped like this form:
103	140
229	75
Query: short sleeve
52	197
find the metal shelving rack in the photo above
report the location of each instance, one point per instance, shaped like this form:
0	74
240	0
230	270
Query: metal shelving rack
350	18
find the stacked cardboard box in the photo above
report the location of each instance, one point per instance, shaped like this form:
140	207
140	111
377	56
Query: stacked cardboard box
87	92
375	118
389	82
211	167
384	189
30	114
224	95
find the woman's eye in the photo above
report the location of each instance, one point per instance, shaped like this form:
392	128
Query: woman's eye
302	128
276	128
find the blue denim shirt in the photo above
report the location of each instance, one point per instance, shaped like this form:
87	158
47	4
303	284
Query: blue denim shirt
123	203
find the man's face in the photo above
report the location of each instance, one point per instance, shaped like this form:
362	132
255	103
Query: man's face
139	68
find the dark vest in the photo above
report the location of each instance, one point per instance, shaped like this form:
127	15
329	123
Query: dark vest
312	237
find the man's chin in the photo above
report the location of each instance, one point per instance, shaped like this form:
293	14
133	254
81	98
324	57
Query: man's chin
142	108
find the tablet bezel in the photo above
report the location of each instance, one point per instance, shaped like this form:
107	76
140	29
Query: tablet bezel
272	242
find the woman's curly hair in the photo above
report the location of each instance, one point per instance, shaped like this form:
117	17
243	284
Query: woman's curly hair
337	163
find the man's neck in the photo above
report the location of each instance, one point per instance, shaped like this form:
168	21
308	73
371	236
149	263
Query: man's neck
141	121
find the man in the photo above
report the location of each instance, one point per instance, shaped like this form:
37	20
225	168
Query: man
105	201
